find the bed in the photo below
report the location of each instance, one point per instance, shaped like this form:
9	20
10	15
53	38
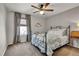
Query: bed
52	39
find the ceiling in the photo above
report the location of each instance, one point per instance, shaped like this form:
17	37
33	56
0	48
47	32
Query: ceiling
26	8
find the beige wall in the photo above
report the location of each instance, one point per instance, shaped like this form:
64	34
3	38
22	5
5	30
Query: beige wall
34	21
3	42
10	27
65	18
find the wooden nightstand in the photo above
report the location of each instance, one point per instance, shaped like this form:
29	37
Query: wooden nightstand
74	34
74	38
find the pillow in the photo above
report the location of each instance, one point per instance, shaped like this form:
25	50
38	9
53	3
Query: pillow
58	32
60	27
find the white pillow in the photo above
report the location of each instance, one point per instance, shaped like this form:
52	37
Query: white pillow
56	32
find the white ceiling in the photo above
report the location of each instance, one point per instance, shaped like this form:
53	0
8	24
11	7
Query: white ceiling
26	8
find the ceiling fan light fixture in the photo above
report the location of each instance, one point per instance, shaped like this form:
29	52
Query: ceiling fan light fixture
41	12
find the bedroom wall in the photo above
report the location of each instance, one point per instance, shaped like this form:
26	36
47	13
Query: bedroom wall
3	42
64	18
10	25
34	21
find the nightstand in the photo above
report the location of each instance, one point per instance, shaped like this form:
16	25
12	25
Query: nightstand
74	39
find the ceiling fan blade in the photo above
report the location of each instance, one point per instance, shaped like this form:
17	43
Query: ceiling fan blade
41	6
35	11
35	7
46	4
48	9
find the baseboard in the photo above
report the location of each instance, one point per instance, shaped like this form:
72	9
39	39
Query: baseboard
4	52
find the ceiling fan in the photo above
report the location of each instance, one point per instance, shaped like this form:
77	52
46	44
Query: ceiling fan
42	8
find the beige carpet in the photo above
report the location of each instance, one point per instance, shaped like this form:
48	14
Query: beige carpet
22	49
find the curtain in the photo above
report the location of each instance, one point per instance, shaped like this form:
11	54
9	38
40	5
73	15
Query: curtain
28	17
17	18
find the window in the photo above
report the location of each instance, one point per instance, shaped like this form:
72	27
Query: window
23	21
23	30
23	27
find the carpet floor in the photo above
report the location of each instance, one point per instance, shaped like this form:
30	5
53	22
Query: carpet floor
22	49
